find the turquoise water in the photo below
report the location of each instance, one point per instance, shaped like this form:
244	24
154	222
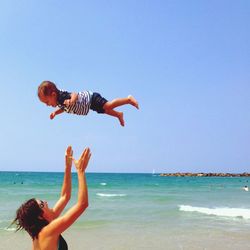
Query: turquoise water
138	201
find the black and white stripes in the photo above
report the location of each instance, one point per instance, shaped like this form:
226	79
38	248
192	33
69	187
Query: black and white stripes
81	106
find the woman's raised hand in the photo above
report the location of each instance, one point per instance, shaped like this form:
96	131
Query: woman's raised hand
82	163
69	156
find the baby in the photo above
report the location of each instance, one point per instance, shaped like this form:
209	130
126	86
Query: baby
80	103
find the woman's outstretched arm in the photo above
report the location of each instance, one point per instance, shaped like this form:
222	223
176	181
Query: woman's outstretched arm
60	224
66	187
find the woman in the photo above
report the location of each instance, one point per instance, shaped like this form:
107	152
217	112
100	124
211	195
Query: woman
44	224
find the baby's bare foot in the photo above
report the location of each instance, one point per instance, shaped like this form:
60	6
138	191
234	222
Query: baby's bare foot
133	101
120	117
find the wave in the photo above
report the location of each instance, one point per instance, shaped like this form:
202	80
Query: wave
218	211
110	195
103	183
8	229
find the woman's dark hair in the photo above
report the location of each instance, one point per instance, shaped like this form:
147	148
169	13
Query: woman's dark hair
29	217
46	88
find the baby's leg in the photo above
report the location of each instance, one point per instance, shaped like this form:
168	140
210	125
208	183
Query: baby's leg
121	101
116	114
133	101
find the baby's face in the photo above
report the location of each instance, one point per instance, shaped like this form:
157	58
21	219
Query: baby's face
49	100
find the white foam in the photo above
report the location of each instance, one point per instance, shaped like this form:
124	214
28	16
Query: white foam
103	183
8	229
110	195
218	211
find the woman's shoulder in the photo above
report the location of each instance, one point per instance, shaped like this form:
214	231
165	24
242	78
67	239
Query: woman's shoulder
45	240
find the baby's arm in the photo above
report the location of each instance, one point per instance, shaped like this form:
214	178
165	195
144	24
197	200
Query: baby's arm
72	100
57	112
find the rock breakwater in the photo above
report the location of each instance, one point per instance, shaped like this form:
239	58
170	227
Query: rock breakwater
206	174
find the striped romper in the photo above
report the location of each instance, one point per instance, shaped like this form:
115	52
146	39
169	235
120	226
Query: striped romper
86	100
80	107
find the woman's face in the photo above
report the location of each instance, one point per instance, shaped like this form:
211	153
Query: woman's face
44	206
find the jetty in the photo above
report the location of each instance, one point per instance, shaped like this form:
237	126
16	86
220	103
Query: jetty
245	174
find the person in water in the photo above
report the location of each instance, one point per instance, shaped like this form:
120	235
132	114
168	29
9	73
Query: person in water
44	224
80	103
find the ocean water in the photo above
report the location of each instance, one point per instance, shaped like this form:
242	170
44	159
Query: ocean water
144	211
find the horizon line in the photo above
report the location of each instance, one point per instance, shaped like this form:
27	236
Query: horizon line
155	173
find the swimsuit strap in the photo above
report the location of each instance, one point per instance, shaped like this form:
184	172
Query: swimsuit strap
62	244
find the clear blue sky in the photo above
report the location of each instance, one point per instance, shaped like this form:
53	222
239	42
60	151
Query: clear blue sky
187	63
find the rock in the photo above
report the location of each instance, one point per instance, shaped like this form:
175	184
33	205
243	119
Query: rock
179	174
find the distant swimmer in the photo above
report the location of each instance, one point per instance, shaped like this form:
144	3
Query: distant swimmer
245	188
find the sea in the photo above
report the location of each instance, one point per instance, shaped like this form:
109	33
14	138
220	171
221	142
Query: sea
137	211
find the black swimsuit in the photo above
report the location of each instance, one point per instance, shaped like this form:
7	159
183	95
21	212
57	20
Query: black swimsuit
62	244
